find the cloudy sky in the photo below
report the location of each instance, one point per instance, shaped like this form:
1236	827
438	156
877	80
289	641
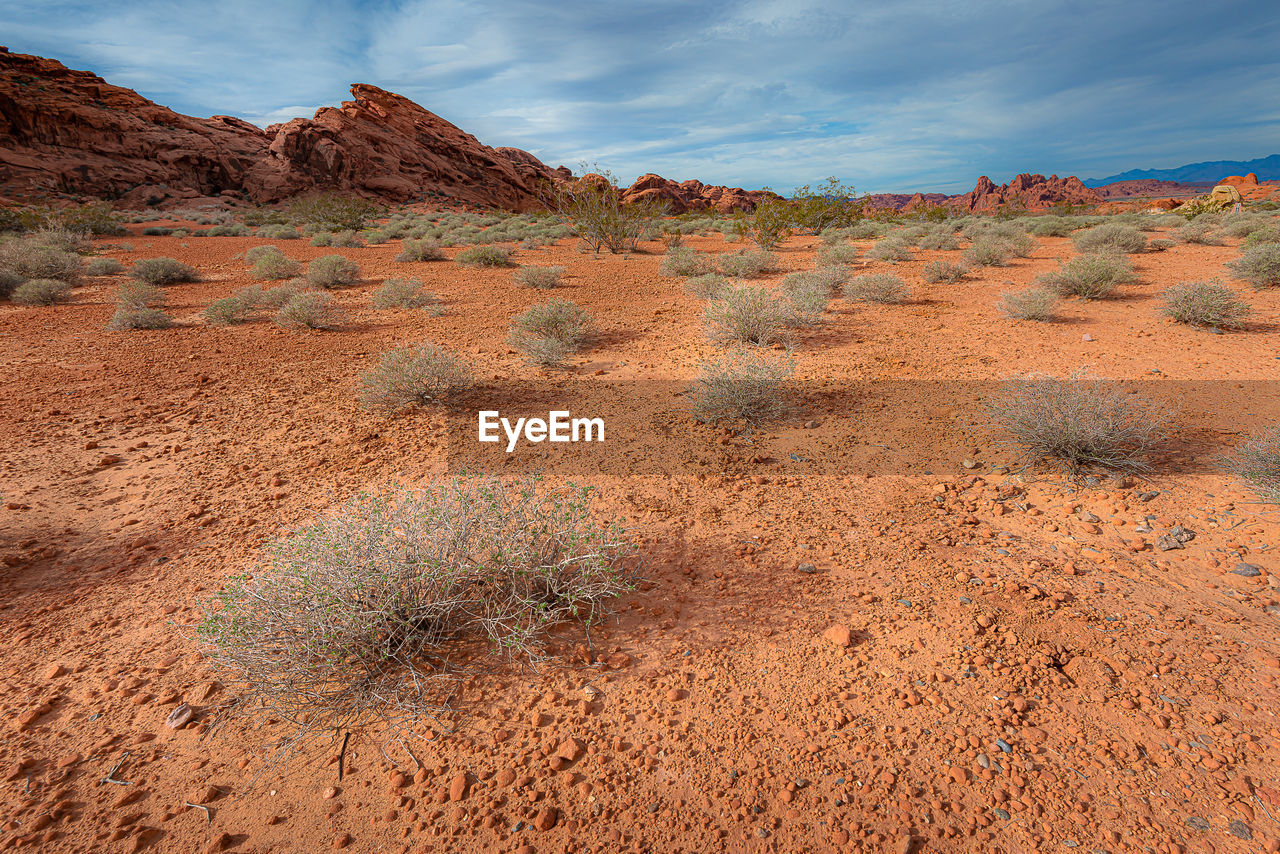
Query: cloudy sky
890	95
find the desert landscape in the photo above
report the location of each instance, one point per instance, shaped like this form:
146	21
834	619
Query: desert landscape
912	522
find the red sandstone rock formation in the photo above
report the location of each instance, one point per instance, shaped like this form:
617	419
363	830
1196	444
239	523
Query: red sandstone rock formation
1034	192
70	132
692	195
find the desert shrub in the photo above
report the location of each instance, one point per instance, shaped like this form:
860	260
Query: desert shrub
310	310
943	271
683	261
745	264
322	238
746	385
279	232
24	258
486	256
403	293
1039	304
706	286
538	277
424	249
890	249
1265	234
877	287
256	253
345	240
867	229
9	280
139	306
236	230
593	205
805	297
1111	237
413	376
41	292
749	315
1051	226
353	619
1257	463
939	241
334	211
156	231
1259	265
332	271
103	267
767	224
1243	224
837	236
549	332
831	278
1090	276
280	294
1020	244
989	252
65	239
273	266
836	255
1205	304
228	310
94	218
828	205
1161	244
1200	232
1081	422
164	271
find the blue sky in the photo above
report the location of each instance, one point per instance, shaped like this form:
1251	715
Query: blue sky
899	96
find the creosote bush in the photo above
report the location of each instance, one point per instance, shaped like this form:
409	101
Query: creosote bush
486	256
1199	232
943	271
538	277
1259	265
593	205
41	292
749	315
332	271
1257	463
354	619
1205	304
877	287
805	297
310	310
103	267
334	211
415	375
424	249
164	271
1111	237
26	258
546	334
746	385
403	293
1090	276
1082	423
1035	303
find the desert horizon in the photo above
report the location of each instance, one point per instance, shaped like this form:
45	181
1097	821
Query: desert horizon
598	474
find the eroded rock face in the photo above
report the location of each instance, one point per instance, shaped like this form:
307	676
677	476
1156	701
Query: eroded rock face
692	195
1034	192
71	132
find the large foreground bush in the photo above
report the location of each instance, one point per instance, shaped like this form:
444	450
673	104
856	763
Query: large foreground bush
356	618
548	333
415	375
1081	422
744	386
1257	463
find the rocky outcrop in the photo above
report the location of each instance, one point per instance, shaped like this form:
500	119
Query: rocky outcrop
71	132
692	195
1033	192
1149	187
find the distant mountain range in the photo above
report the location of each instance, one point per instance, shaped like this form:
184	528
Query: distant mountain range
1267	169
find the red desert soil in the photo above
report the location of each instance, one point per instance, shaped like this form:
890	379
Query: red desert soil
975	663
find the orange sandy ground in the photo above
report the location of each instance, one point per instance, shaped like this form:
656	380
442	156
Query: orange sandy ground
1135	690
